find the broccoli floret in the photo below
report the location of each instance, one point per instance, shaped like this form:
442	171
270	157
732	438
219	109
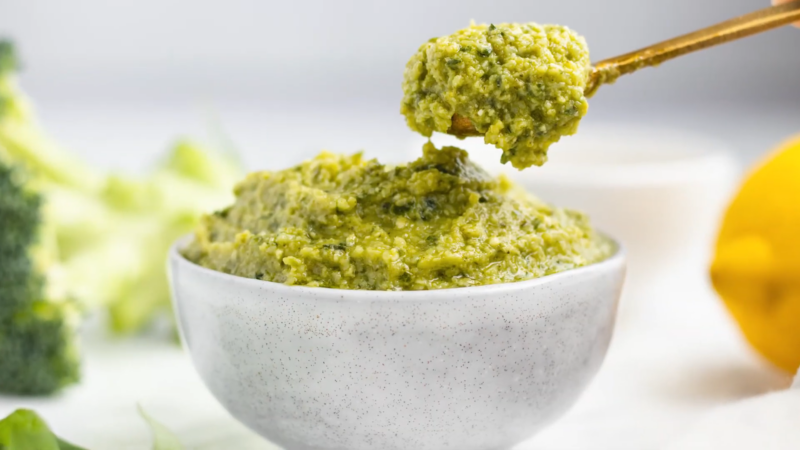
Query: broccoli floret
38	352
101	239
38	348
37	335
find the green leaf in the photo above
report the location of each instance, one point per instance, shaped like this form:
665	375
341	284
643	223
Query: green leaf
25	430
163	439
64	445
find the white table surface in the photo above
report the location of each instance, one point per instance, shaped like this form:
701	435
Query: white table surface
677	358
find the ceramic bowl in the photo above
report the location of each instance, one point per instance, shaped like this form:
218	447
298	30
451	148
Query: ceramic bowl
478	368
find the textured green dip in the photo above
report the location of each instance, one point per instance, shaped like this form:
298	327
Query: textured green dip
438	222
521	85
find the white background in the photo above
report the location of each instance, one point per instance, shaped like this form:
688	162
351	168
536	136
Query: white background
117	80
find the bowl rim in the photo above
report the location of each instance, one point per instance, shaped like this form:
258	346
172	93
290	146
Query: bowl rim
618	258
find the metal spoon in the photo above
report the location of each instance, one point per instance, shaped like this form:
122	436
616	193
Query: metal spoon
607	71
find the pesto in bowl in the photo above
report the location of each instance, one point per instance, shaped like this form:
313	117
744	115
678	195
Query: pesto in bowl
521	86
348	223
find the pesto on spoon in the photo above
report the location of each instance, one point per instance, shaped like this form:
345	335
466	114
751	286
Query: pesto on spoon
519	85
523	86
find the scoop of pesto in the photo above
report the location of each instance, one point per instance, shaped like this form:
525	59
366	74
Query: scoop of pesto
521	85
438	222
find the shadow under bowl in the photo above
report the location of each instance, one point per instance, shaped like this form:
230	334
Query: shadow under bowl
476	368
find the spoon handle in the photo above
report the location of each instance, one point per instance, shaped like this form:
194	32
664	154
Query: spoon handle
609	70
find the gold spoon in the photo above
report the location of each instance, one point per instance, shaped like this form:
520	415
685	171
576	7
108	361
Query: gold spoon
607	71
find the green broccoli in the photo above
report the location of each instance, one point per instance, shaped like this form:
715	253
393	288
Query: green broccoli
74	238
38	352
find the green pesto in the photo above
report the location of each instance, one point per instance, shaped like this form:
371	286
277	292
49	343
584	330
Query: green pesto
345	222
521	85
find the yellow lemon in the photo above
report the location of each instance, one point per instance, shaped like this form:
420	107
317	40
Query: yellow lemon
756	268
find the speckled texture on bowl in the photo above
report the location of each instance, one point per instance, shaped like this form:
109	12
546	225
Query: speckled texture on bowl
479	368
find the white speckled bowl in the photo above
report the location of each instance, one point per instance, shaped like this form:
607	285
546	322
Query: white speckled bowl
479	368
